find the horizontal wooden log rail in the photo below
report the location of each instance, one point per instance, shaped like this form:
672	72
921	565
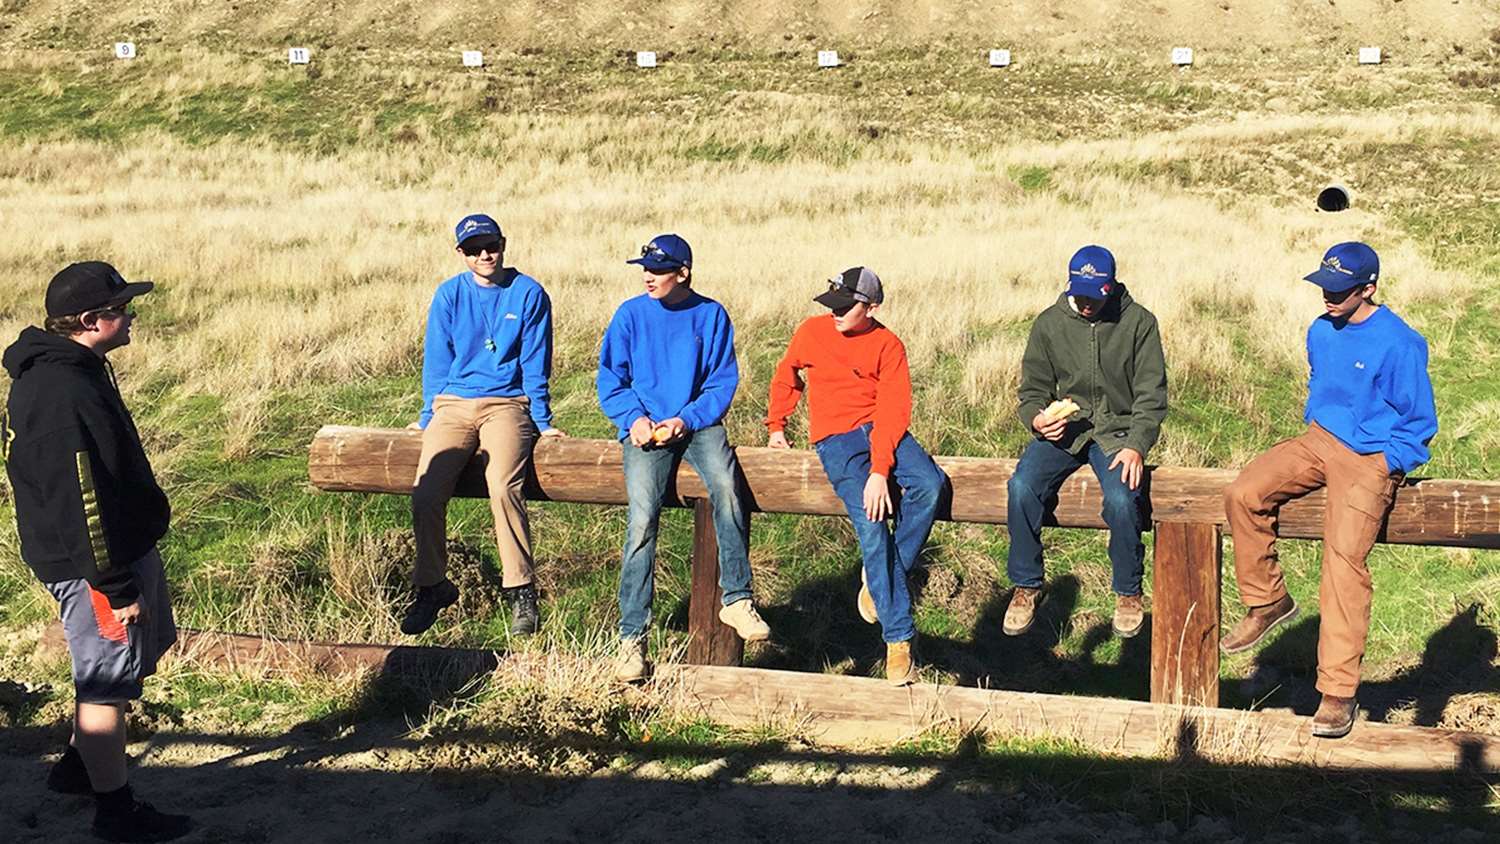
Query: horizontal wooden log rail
1185	505
1427	512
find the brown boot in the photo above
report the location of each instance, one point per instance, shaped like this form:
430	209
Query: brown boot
1021	613
1335	717
1130	615
900	666
1257	623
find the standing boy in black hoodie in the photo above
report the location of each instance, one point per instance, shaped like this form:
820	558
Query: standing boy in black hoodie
90	514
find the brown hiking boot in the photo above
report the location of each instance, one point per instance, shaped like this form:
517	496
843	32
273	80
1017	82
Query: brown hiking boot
630	663
1130	615
1335	717
1021	613
900	665
1257	623
866	601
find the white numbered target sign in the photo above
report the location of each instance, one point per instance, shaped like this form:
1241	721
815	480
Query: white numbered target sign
645	58
999	58
124	49
473	58
1369	55
298	55
1182	56
828	58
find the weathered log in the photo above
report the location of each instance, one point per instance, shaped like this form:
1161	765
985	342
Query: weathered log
713	642
1427	512
1186	568
841	710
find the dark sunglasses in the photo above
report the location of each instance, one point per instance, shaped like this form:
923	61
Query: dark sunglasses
844	310
114	311
474	250
1338	297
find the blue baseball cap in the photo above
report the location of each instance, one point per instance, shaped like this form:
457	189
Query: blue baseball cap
476	225
1346	265
665	252
1091	273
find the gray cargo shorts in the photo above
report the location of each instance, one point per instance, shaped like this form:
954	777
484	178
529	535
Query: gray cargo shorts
111	659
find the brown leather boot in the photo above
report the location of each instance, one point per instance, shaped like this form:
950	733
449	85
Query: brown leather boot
900	665
1130	615
1257	623
1335	717
1021	613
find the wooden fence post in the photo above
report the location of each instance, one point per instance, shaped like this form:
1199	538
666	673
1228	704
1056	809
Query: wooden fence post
711	642
1185	614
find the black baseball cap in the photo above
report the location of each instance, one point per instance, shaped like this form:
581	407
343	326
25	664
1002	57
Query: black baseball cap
856	284
89	285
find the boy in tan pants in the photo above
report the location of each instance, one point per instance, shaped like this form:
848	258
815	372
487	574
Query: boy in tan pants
485	371
1370	415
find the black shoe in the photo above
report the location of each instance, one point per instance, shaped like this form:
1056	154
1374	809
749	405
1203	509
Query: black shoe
424	609
137	821
68	775
525	619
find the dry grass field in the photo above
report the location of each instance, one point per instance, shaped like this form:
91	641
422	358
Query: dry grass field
297	220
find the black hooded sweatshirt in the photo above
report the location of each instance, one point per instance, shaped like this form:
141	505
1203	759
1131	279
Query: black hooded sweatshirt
87	503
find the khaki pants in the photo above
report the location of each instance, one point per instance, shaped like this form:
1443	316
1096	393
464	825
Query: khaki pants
1360	491
501	430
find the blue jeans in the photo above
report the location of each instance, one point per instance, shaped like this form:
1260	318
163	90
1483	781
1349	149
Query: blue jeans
887	556
1039	475
647	471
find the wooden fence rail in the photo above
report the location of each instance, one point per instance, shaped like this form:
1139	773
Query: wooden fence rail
1186	506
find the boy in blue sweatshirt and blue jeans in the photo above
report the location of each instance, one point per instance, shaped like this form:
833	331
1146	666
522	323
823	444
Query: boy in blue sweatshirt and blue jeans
667	373
1370	416
485	371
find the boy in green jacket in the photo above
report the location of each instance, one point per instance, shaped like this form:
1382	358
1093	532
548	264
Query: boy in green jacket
1100	349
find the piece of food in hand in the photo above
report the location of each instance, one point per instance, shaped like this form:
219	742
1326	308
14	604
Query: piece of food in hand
1061	409
661	434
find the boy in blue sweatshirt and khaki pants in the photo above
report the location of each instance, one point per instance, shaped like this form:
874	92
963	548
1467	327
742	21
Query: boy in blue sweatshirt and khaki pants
667	373
485	370
1370	416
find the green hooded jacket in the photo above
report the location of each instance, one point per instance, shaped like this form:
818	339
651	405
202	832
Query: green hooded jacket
1113	368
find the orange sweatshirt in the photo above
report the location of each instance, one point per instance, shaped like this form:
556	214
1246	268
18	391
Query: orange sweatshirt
851	380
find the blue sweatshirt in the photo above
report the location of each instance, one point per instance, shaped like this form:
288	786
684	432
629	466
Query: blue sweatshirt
662	361
489	341
1369	387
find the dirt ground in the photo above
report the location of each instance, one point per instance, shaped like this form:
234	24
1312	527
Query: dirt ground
371	783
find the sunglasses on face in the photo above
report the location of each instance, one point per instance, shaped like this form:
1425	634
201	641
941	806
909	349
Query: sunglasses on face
474	250
114	311
838	312
1338	297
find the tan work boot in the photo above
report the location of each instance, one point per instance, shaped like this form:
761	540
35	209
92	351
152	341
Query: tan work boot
900	666
1021	613
866	601
1130	615
1259	621
1335	717
630	664
741	615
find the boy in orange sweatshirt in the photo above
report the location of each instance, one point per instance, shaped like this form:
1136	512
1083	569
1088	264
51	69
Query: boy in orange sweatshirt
859	406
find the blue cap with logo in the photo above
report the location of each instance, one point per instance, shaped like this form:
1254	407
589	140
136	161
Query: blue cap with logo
476	225
1091	273
665	252
1346	265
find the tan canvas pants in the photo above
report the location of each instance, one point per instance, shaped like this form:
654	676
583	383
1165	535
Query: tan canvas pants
501	430
1360	491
